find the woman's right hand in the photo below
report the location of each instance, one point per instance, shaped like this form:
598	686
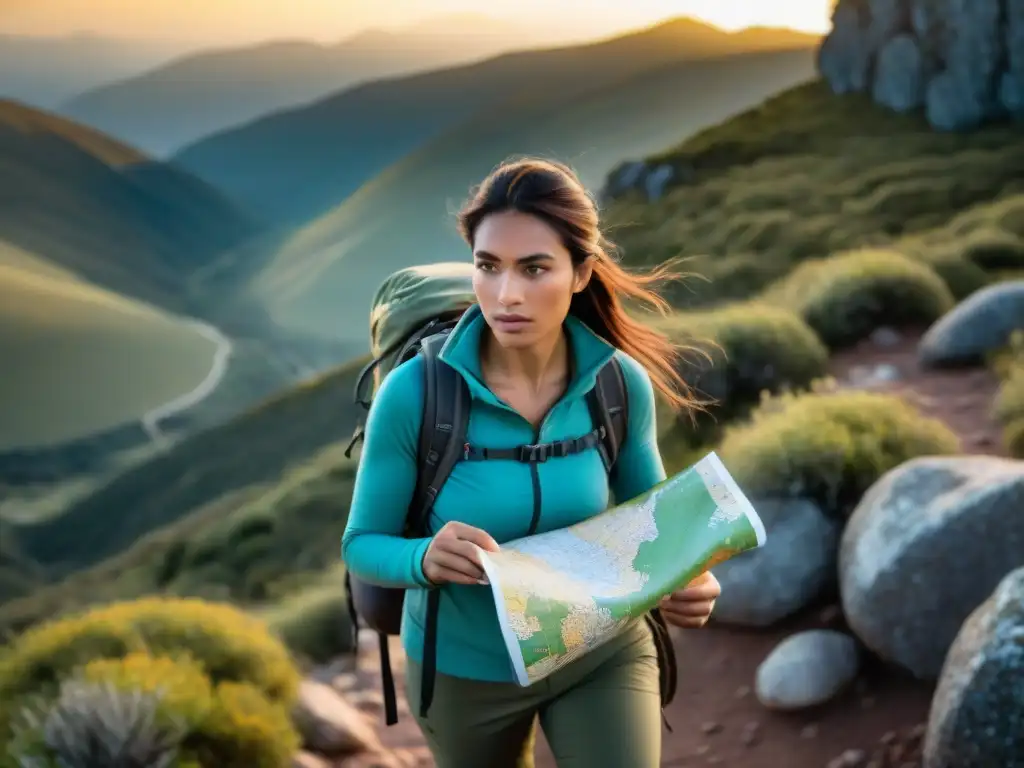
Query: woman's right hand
452	558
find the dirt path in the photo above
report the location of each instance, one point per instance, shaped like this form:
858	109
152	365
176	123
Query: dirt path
715	717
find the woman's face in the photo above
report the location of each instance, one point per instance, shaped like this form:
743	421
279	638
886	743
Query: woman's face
524	278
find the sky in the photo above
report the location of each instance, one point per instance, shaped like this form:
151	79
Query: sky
244	21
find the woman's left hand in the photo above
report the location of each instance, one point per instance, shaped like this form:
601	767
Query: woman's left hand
691	606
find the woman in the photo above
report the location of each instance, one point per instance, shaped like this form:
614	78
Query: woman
549	315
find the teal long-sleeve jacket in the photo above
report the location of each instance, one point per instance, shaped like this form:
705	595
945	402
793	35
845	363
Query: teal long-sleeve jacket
497	496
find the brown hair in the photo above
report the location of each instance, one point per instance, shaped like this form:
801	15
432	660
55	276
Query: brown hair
552	192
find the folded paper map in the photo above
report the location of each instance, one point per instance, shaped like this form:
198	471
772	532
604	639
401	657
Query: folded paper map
563	593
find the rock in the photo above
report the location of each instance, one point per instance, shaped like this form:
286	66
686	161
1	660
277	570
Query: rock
844	57
851	758
981	323
329	725
977	712
807	669
885	337
370	760
1011	90
925	546
656	181
900	81
966	94
958	59
797	562
309	760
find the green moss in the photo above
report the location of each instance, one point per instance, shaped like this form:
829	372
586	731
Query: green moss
739	352
829	446
847	296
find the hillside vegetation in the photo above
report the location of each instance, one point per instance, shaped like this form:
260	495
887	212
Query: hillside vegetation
212	474
317	280
293	165
807	175
104	211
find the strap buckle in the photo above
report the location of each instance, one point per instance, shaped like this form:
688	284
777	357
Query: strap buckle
533	453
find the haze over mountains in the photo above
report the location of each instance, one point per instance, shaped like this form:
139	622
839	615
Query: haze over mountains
162	109
46	71
374	171
274	232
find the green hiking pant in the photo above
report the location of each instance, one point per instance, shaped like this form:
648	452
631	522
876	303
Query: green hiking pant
601	711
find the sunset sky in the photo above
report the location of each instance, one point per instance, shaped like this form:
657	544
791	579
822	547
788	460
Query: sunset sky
239	21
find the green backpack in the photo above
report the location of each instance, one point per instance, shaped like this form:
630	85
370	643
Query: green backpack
411	314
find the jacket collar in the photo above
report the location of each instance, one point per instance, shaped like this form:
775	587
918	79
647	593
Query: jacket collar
461	350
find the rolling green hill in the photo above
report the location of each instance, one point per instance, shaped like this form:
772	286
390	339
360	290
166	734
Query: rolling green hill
68	338
318	279
102	210
298	163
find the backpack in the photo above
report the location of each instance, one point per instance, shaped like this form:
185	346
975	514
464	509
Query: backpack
412	314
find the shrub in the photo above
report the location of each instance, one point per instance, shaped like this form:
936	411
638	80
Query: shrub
185	717
746	349
229	645
314	622
846	297
97	724
994	249
1009	404
961	276
829	446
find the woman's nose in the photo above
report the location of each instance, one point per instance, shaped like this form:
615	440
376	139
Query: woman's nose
510	292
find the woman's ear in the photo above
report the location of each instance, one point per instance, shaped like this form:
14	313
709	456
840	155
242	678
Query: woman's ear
583	274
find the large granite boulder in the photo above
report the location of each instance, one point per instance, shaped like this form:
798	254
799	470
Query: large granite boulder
977	713
925	547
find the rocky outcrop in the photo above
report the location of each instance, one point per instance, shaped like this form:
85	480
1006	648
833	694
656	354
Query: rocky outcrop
977	713
962	62
980	324
924	548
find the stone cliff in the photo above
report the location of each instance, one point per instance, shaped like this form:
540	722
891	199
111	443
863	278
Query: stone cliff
961	61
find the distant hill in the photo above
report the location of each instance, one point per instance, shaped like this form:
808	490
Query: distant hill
98	247
293	165
45	71
105	211
179	102
318	279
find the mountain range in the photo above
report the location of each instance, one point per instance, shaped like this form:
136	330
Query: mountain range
166	107
128	277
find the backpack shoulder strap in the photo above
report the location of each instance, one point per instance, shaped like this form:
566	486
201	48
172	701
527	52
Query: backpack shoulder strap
442	431
445	420
609	408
